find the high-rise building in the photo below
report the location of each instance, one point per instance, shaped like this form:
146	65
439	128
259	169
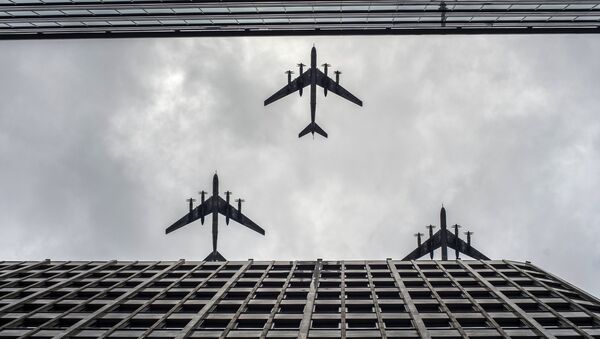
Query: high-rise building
284	299
39	19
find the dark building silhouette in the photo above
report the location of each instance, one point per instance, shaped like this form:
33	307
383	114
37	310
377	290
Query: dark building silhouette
291	299
36	19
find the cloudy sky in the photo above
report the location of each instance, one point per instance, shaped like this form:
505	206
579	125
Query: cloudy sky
101	142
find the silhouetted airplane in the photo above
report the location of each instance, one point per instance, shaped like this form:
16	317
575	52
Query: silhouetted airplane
215	205
313	77
444	239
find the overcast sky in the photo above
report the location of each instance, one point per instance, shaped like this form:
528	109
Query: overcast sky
101	142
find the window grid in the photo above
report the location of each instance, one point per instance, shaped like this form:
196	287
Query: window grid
146	304
200	316
54	302
440	301
593	315
508	302
38	19
244	304
474	302
277	304
277	299
111	305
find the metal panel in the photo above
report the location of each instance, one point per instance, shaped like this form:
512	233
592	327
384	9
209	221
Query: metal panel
36	19
482	299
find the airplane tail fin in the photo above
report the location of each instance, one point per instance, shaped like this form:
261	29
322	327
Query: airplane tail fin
215	256
312	128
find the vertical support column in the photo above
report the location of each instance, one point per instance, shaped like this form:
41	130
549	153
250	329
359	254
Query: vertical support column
443	9
312	294
343	300
269	323
375	302
410	306
437	297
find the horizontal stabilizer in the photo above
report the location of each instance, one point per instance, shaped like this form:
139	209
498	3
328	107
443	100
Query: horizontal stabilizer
312	128
215	256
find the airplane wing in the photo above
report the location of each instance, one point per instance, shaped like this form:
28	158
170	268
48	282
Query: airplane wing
300	82
225	208
332	86
426	246
465	248
198	212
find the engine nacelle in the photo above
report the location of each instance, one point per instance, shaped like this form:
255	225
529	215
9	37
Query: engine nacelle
240	201
201	209
325	66
191	201
337	77
300	84
289	74
227	195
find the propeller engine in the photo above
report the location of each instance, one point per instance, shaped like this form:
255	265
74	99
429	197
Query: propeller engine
456	227
289	74
430	227
202	195
469	234
240	201
227	195
419	235
337	77
301	67
191	201
325	67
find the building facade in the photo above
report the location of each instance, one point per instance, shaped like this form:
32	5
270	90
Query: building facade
40	19
299	299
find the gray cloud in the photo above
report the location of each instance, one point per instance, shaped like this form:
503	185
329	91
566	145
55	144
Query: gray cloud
101	142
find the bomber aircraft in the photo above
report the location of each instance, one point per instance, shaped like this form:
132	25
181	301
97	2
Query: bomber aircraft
443	239
215	205
313	77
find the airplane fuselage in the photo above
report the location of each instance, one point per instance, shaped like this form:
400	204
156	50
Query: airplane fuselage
313	83
215	205
313	77
215	211
444	234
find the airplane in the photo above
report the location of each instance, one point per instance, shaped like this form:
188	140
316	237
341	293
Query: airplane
443	239
313	77
215	205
